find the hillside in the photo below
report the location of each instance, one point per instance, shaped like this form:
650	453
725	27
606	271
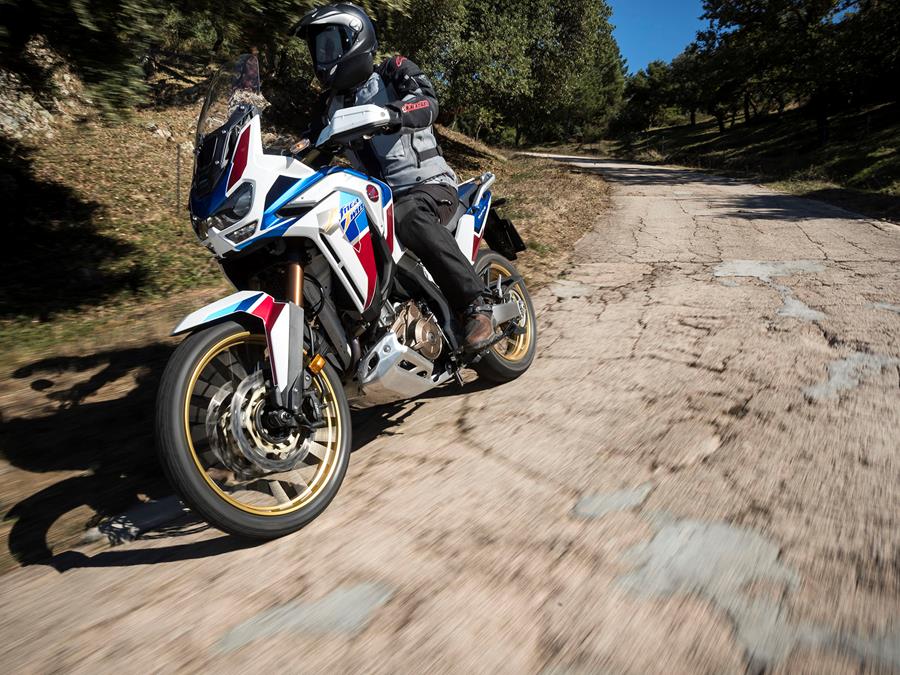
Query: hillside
99	225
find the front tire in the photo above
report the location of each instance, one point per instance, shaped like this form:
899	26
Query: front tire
211	404
512	356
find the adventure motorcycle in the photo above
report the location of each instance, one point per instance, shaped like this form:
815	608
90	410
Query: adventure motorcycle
253	421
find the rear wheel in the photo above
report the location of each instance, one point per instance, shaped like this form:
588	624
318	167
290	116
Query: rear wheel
221	454
513	355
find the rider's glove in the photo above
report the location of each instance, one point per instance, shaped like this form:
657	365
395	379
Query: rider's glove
396	121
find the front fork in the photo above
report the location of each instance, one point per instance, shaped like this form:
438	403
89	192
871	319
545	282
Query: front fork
294	284
290	398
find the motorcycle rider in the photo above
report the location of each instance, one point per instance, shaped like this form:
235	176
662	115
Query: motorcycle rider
342	43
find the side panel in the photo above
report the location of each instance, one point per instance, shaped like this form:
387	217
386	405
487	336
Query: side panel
465	235
344	206
347	232
470	229
335	208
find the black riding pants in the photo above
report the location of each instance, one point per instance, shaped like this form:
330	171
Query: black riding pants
421	215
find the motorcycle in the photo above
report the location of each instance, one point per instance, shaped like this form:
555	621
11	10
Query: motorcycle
253	415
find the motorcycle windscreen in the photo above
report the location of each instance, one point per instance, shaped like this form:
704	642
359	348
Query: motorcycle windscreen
236	84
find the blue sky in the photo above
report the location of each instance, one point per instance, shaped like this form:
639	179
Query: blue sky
647	30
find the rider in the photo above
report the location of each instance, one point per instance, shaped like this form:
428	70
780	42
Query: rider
407	157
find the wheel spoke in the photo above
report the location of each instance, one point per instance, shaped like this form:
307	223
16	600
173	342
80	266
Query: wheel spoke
318	450
277	491
237	367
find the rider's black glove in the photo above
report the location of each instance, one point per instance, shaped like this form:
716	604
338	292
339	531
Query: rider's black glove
396	121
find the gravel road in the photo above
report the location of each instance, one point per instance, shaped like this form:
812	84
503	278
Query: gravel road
700	473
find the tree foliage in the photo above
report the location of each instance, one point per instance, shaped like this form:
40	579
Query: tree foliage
544	68
758	56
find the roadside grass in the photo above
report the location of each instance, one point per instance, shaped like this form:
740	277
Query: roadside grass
106	242
96	228
859	168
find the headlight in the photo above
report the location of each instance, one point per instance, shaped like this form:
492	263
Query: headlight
242	233
233	210
243	201
236	207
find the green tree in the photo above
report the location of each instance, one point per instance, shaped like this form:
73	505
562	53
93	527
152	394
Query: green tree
105	41
576	68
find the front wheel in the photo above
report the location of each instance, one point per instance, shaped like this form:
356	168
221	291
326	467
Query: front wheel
221	455
512	356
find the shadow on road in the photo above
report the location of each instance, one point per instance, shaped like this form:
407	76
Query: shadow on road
133	557
98	429
93	422
627	173
819	203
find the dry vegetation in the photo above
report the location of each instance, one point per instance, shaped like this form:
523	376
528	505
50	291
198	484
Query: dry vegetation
551	205
124	173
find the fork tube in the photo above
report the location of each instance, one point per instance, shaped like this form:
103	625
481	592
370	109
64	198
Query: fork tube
294	290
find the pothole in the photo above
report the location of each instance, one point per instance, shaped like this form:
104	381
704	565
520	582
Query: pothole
849	373
765	271
886	306
741	573
570	289
344	611
795	309
599	505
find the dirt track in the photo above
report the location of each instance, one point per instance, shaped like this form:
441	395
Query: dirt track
700	473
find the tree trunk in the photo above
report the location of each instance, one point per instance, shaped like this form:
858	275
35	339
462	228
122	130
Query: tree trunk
819	104
746	107
822	125
720	120
518	134
733	117
220	38
693	117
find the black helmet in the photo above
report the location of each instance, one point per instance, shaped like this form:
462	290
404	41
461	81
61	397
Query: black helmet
342	44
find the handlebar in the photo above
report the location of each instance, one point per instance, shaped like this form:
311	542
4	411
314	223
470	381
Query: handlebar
355	123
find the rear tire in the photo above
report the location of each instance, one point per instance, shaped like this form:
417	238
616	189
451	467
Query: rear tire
510	358
191	466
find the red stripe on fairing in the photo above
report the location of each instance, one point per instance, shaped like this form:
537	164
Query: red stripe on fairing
269	311
390	228
366	256
239	162
475	246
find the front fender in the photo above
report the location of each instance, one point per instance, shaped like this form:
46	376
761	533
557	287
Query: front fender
283	326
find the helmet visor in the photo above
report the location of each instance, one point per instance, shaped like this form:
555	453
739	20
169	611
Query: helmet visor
329	45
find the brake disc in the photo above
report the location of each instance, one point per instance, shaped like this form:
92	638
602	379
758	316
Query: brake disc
238	438
256	443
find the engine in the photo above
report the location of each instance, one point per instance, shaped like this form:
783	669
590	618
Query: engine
418	331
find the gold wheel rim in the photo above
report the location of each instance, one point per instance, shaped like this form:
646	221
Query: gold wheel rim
327	462
512	349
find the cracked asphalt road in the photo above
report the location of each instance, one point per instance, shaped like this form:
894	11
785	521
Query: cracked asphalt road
700	473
